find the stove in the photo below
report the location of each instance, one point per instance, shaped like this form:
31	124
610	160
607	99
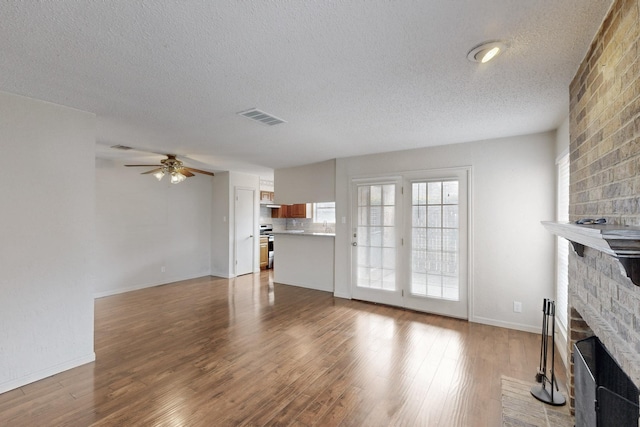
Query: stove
267	230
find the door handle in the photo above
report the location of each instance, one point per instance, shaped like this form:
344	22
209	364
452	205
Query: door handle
354	244
251	235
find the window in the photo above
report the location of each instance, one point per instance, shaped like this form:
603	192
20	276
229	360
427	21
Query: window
562	253
324	212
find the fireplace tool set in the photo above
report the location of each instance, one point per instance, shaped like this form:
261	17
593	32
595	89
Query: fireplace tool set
546	377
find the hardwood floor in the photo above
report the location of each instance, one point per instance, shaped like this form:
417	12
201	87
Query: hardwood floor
245	351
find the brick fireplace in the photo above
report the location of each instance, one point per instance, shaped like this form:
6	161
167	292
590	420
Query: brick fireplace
605	182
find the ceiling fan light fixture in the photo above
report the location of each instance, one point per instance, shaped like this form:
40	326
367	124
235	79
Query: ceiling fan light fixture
159	175
174	168
486	51
177	177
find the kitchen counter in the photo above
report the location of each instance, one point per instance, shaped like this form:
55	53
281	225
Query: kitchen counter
304	233
303	259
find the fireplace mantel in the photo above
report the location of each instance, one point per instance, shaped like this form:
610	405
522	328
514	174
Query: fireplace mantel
621	242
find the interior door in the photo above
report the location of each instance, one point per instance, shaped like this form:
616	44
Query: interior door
436	247
245	240
375	240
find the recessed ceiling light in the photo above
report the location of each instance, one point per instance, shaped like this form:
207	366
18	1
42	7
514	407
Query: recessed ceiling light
486	51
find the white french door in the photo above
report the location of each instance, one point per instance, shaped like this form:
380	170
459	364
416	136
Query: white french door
375	240
409	237
436	253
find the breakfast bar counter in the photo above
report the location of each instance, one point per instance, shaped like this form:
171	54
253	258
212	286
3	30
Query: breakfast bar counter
304	259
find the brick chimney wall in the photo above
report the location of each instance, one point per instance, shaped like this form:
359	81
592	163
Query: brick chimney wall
605	182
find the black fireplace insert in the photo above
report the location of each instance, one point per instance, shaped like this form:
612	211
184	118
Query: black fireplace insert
604	394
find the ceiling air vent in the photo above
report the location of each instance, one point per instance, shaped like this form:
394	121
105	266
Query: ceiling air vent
261	117
121	147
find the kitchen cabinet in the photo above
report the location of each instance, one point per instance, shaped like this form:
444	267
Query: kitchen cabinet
305	260
298	211
290	211
266	196
281	212
264	252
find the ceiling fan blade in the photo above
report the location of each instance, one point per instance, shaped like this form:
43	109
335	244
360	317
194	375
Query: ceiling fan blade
152	171
185	172
146	166
199	171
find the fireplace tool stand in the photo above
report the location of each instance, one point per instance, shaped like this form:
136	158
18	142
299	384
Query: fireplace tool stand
546	377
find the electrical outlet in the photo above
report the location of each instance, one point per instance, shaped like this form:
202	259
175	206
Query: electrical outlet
163	269
517	307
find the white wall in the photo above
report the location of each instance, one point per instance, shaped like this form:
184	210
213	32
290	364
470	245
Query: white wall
306	184
220	233
512	189
143	225
223	221
47	234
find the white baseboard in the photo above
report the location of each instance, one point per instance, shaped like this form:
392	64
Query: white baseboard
223	275
305	286
508	325
47	372
341	295
110	292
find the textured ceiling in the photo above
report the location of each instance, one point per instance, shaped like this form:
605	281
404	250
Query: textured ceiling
350	77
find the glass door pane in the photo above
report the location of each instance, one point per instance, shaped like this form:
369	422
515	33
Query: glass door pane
435	239
376	236
376	240
435	253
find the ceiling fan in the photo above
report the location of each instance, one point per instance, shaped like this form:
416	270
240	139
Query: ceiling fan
172	167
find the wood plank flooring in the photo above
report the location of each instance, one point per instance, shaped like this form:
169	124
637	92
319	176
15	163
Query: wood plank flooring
246	351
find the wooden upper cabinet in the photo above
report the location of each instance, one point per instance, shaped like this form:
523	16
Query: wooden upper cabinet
290	211
281	212
266	196
298	211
